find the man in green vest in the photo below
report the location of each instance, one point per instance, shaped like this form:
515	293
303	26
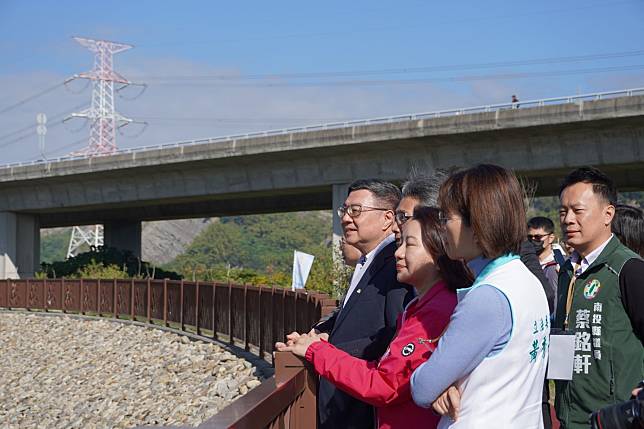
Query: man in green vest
600	299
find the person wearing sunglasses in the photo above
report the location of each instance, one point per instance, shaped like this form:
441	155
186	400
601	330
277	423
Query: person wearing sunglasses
541	233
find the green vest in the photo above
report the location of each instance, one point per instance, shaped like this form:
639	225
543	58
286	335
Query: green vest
609	359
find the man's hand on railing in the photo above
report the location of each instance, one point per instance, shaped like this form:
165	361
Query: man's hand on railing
290	339
298	344
293	336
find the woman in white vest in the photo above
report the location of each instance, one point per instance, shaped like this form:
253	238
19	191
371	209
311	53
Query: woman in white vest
489	366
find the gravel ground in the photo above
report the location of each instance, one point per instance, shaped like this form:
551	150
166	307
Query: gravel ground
61	372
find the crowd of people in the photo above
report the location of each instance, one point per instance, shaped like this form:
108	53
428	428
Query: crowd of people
460	310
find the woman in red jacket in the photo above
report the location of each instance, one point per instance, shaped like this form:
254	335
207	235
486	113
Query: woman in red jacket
421	262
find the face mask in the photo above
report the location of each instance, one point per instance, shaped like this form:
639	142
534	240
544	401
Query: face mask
538	246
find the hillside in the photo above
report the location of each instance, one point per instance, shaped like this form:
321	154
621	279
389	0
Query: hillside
162	241
259	249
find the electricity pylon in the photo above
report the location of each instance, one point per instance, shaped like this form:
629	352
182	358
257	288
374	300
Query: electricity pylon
105	120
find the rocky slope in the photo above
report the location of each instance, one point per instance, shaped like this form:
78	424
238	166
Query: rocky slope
61	372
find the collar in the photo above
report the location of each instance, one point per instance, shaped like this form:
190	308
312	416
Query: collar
477	264
419	302
548	259
369	256
590	258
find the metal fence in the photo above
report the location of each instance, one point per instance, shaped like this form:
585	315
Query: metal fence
579	98
250	317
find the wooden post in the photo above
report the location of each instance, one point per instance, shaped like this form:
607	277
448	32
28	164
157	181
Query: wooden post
132	311
260	315
149	303
246	347
62	295
284	328
28	296
214	310
165	302
98	297
115	297
181	305
230	312
197	308
274	334
45	303
304	410
82	309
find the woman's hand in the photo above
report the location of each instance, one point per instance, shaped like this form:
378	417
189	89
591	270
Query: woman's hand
449	402
300	345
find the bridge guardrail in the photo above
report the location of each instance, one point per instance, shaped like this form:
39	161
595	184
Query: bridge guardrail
356	122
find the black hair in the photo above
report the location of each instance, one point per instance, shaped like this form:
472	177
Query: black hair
628	226
424	188
385	192
542	222
602	184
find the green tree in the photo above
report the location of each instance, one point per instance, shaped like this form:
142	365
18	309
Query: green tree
53	245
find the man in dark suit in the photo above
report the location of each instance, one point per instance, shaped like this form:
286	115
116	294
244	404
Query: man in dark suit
365	322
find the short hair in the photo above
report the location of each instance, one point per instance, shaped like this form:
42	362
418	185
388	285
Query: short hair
424	188
542	222
453	272
385	192
490	200
602	184
628	226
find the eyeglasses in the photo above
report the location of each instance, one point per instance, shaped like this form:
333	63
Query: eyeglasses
402	217
537	237
354	210
442	217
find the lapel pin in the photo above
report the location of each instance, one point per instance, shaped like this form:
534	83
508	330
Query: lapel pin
359	290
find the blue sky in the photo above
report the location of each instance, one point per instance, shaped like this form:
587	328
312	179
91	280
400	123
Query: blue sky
218	68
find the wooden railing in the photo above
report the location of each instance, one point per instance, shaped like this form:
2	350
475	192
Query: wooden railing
288	400
250	317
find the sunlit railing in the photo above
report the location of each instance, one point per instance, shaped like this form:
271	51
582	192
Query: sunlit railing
250	317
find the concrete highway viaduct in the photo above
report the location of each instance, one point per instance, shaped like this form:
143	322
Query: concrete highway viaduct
309	169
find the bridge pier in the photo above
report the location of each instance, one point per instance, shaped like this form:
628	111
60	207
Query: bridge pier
123	235
19	245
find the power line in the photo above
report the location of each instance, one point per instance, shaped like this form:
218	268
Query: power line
234	120
379	29
405	70
465	78
28	135
71	145
64	148
52	118
31	97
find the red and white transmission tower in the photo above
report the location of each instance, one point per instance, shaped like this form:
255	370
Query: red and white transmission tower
104	121
104	118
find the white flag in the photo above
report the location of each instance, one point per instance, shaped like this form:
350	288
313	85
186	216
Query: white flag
302	263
